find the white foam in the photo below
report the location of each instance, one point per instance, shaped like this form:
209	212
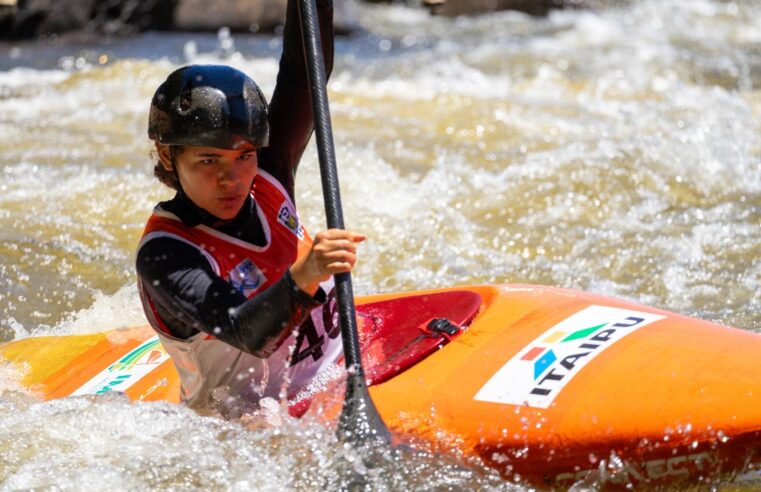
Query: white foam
21	77
108	312
10	379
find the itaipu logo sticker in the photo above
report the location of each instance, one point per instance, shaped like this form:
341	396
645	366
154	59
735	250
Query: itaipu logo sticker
288	217
128	370
246	277
537	374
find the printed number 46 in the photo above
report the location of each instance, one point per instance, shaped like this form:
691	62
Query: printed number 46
308	332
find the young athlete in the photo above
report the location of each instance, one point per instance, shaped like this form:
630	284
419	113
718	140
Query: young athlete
239	294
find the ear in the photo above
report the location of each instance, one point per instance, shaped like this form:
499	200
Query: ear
164	156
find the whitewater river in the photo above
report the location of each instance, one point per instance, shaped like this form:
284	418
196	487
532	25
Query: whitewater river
614	150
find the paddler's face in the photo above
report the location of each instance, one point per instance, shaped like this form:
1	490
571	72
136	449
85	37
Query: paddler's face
216	180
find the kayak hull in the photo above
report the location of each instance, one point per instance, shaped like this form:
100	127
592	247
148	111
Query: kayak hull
676	399
546	385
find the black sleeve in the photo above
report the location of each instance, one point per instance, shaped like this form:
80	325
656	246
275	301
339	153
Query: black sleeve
290	115
189	297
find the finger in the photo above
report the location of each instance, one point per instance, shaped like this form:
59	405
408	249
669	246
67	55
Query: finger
334	234
343	234
339	267
358	238
338	256
328	245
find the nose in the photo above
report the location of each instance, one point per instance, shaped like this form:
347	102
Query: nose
228	175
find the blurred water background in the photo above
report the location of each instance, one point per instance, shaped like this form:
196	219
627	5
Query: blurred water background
612	149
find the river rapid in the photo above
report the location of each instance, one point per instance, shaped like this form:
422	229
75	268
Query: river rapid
612	149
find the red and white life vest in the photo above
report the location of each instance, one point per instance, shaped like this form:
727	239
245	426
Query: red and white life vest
216	375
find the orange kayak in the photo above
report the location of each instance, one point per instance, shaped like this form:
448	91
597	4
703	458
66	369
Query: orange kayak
548	386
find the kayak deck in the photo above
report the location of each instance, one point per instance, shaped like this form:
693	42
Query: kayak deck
544	384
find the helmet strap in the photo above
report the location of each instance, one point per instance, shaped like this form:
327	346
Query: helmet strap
167	154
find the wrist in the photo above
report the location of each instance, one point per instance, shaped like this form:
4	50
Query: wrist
302	282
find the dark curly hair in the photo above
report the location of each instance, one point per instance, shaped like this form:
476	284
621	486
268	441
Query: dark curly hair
169	178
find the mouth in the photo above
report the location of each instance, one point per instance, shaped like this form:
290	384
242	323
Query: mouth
229	199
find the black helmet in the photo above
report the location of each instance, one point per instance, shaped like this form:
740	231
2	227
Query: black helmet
209	105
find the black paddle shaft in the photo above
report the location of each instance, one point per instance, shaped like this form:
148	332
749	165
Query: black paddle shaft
359	418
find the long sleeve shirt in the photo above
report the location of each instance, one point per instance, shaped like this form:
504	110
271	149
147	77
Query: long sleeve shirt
187	294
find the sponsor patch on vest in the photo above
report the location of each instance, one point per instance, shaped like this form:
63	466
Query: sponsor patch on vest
246	277
288	217
537	374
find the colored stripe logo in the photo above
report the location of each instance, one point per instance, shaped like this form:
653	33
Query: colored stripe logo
547	355
128	370
132	358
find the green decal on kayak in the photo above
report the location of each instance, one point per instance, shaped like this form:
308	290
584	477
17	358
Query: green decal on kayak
126	371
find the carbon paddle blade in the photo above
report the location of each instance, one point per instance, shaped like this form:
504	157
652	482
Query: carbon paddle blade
360	424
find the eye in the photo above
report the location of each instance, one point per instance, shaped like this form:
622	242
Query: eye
207	162
247	157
